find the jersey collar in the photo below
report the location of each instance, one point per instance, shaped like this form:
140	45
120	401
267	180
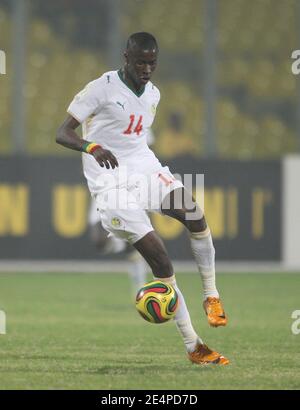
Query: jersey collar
138	94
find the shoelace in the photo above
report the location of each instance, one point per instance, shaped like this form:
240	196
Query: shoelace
214	300
216	306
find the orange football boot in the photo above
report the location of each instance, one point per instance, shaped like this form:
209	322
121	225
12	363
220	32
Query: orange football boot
204	355
215	312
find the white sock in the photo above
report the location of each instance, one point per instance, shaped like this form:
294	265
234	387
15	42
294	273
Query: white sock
182	318
204	254
137	270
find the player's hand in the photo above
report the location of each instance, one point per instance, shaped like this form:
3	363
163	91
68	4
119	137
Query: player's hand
105	158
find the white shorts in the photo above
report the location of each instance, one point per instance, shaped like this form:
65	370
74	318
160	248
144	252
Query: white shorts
124	209
113	244
93	215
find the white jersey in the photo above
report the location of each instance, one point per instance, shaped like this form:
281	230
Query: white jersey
118	119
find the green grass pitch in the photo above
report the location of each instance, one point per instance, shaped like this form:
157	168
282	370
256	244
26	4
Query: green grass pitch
81	331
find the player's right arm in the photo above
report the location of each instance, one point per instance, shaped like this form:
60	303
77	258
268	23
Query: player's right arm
67	136
85	103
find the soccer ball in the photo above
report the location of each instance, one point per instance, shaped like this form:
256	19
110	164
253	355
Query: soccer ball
157	302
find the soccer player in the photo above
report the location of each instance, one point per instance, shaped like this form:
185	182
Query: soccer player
116	110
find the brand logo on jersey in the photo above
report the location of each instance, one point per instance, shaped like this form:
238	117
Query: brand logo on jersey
153	109
116	222
121	105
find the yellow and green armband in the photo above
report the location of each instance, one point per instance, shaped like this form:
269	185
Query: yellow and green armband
90	147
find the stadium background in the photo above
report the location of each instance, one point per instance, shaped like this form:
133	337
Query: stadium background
228	109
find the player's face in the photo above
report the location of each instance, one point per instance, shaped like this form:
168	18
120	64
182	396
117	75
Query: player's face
140	65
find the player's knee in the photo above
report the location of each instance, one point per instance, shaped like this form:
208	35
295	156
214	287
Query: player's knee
194	223
198	225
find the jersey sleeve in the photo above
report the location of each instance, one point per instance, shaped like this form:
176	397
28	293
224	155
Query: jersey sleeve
87	101
150	137
158	95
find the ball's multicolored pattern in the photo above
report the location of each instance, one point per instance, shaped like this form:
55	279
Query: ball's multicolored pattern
157	302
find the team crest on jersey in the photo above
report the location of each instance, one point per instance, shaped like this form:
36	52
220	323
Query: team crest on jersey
153	109
116	222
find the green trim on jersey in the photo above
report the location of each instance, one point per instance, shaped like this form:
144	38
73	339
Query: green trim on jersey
138	94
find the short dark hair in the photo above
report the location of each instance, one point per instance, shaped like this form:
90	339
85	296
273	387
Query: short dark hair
142	40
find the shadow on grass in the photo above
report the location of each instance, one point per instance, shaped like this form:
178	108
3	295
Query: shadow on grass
123	367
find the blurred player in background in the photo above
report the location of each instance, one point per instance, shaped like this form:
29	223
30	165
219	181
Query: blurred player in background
110	244
116	111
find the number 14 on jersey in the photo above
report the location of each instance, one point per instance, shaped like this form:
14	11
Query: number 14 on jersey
138	128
